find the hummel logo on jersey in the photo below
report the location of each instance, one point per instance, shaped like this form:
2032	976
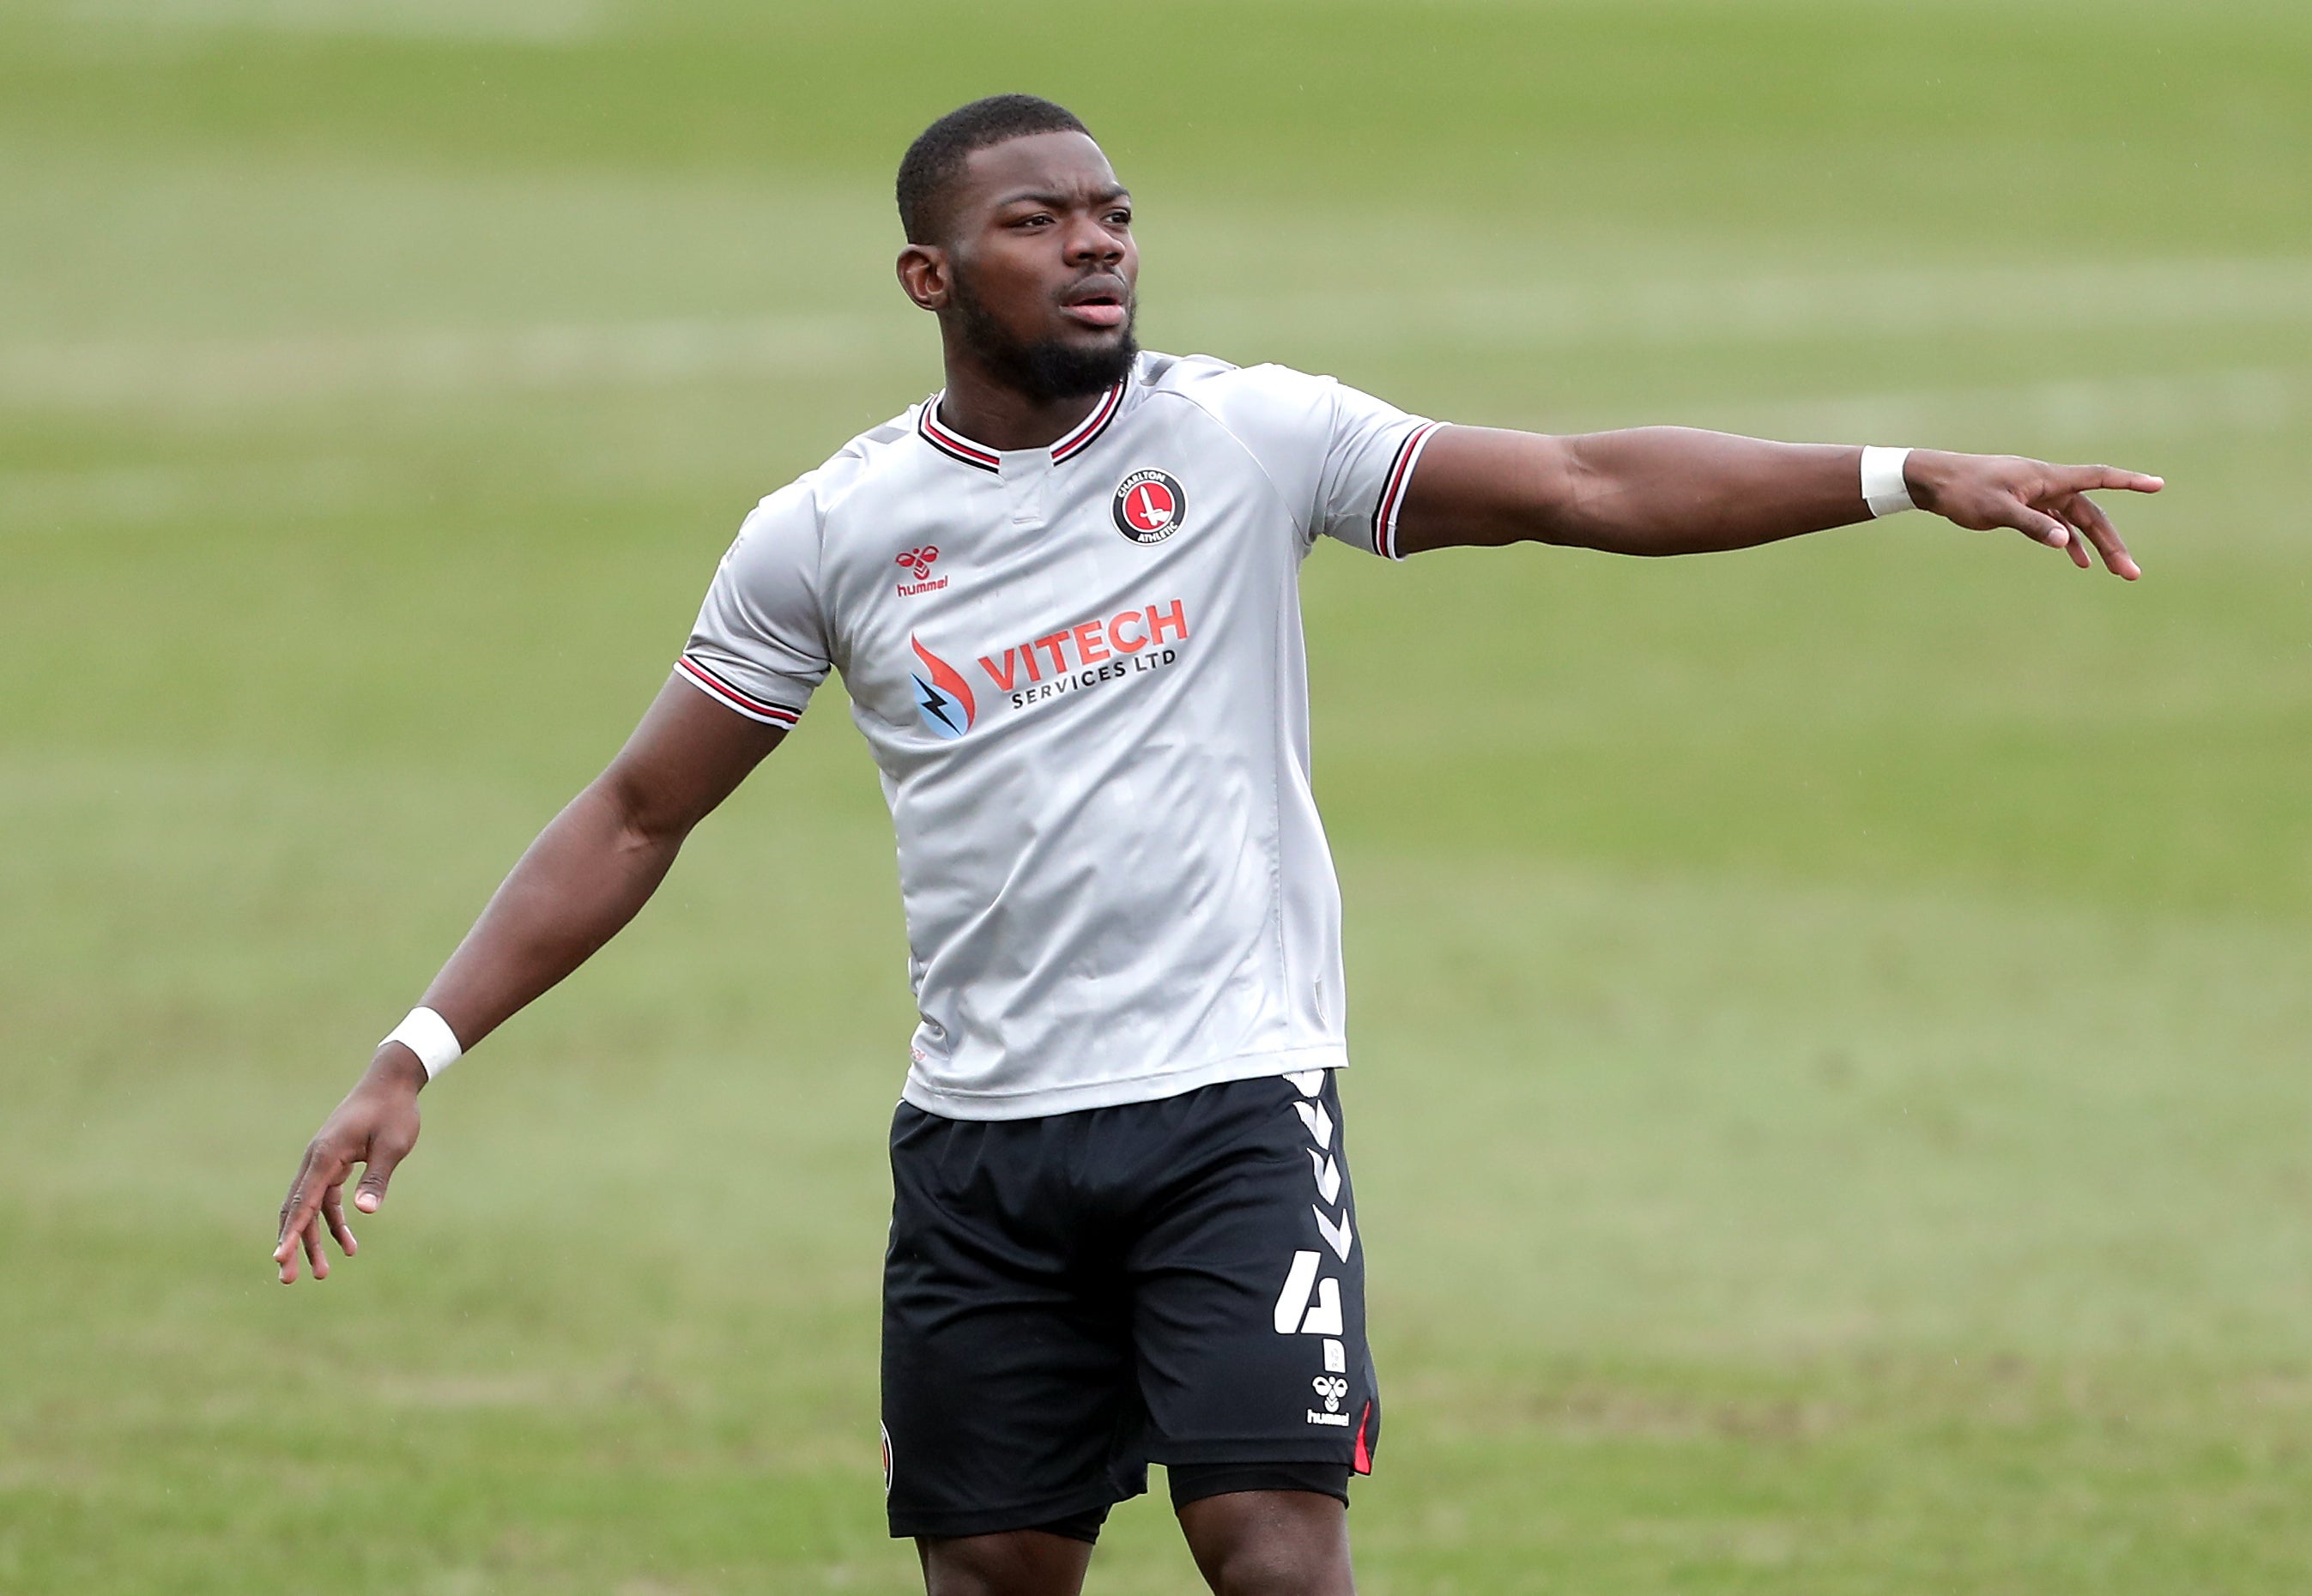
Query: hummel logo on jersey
1148	506
942	697
919	562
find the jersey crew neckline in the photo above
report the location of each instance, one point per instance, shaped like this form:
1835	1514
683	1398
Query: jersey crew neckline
956	447
1086	694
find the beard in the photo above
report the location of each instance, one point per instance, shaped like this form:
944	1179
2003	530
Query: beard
1043	369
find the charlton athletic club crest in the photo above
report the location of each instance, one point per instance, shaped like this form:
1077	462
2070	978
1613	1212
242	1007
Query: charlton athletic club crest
1149	505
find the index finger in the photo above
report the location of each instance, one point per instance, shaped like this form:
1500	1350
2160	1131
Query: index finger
304	1201
297	1188
2079	478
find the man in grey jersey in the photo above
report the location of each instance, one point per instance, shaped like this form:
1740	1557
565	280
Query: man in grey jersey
1062	594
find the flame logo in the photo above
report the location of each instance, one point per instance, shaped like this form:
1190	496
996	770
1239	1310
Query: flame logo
942	697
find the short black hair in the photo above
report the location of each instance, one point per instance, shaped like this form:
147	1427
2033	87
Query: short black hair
937	156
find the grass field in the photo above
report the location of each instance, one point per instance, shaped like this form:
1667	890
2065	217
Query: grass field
1832	1112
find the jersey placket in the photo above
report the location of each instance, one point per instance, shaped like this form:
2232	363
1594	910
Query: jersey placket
1025	472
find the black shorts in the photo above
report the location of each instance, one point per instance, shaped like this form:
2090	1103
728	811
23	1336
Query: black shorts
1071	1298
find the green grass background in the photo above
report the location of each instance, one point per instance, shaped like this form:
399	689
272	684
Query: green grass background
1832	1103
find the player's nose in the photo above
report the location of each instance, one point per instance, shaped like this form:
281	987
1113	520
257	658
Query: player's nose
1090	242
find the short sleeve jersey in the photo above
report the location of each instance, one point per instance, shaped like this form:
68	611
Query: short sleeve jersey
1079	669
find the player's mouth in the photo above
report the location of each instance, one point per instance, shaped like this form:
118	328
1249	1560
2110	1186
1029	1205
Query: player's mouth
1101	302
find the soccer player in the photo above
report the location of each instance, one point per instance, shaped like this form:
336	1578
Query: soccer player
1062	593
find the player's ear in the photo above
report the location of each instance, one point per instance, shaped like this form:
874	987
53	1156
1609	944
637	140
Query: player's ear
923	273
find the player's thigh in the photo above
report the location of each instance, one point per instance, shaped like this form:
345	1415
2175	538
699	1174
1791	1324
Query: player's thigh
1014	1563
1274	1543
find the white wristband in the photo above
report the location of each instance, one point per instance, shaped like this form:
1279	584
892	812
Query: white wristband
1883	487
428	1035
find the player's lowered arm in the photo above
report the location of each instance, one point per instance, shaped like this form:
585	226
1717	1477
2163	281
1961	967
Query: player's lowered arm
1680	491
597	862
589	873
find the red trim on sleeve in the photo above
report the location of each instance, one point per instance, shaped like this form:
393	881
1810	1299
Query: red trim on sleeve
753	709
1400	472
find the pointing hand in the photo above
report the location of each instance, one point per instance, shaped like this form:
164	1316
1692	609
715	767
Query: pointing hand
2046	503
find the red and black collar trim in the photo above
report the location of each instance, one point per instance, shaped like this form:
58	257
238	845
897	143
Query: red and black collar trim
951	443
956	446
1092	426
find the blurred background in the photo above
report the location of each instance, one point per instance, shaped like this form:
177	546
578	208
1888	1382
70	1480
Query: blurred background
1831	1110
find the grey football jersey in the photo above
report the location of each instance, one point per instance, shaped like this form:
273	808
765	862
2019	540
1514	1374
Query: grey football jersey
1079	670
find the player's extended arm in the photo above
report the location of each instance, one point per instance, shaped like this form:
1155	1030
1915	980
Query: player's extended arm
589	873
1676	491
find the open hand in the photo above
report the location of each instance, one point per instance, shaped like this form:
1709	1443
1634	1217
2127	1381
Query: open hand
376	1126
2046	503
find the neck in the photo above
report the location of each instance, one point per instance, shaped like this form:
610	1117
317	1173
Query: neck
992	413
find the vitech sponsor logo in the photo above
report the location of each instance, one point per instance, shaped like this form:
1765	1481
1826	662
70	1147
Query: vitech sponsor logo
1099	649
